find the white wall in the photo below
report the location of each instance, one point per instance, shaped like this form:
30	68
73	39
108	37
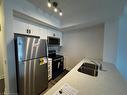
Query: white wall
110	41
115	43
122	46
1	52
28	9
82	43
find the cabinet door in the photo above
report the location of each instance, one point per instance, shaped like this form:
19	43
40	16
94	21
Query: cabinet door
38	31
20	27
34	30
49	32
43	33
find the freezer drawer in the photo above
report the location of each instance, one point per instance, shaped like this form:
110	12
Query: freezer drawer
32	77
40	77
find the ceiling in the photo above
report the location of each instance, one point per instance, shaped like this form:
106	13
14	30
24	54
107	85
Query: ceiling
81	13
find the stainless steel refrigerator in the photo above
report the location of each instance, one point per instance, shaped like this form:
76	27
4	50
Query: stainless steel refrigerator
31	64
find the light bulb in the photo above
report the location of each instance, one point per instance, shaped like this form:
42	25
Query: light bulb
49	4
55	10
60	13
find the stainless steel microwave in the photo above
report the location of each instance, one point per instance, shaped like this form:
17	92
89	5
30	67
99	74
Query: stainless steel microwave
53	40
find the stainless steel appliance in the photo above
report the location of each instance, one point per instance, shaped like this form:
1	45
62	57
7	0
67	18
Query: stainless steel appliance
53	41
57	63
31	64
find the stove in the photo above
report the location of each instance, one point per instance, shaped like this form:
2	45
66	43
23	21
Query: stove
57	63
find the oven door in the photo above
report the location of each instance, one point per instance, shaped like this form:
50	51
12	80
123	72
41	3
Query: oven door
57	67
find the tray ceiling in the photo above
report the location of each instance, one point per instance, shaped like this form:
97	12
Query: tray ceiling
81	12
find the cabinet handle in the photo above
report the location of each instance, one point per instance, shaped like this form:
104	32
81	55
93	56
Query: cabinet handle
27	31
54	34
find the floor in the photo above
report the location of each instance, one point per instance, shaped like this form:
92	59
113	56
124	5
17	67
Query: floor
2	86
53	82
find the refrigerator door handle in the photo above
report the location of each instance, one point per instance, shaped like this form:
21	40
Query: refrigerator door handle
34	69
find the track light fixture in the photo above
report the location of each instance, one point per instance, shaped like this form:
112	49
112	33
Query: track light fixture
55	7
60	13
49	4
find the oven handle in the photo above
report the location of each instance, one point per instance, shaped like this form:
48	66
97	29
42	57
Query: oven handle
57	59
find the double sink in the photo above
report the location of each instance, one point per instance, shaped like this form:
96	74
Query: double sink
89	68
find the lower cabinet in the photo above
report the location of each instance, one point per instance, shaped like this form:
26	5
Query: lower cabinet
49	68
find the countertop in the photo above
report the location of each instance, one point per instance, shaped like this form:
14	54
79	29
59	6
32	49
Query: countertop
108	82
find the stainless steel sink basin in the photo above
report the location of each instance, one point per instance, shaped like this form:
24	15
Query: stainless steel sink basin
90	69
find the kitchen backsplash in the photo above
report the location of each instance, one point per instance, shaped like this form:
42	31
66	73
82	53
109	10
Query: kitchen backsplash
57	48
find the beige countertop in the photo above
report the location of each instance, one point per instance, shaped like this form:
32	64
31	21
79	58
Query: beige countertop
108	82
